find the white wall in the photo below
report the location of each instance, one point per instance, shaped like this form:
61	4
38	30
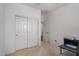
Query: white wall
64	22
1	29
10	11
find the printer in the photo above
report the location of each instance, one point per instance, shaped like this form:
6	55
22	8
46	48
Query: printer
71	42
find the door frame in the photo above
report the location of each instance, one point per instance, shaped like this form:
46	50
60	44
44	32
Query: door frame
27	30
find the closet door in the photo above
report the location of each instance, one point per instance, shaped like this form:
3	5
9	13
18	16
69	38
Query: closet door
21	33
32	32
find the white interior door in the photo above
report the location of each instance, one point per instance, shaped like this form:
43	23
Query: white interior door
21	33
32	32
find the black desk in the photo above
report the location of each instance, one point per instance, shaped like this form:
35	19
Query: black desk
67	48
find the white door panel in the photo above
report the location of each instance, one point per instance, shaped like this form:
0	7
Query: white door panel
21	33
32	32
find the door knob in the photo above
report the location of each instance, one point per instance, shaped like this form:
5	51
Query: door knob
16	34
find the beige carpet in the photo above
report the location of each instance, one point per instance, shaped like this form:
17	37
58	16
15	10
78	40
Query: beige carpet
45	49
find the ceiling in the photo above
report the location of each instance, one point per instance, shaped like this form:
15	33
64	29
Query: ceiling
46	6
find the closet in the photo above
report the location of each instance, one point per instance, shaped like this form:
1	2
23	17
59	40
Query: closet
26	32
